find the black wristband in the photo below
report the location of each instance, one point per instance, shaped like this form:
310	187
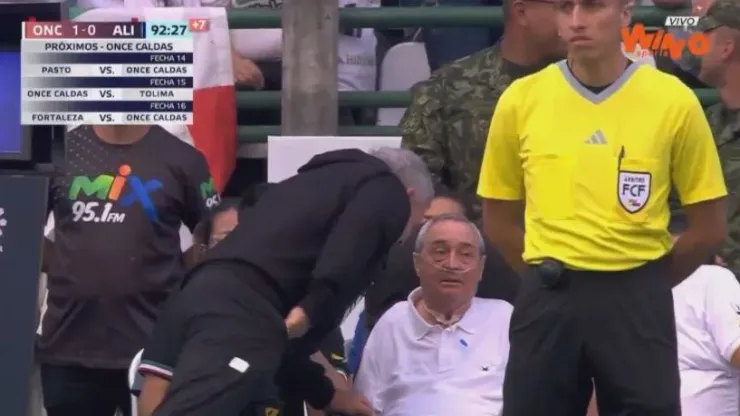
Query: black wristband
301	377
319	394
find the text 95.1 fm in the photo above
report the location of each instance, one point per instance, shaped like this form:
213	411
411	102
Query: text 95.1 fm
96	212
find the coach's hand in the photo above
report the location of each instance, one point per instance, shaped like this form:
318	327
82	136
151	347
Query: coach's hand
297	323
350	403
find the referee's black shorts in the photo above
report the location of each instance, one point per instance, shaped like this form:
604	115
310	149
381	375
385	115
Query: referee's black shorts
612	330
232	346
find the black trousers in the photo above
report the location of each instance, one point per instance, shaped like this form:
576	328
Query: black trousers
234	341
80	391
615	331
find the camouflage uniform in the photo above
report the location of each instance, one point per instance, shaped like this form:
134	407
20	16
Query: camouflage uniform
726	128
725	123
447	122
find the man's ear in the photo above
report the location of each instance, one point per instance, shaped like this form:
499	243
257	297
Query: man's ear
729	42
410	192
518	12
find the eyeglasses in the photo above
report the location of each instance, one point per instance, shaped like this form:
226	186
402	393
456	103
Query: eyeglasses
442	254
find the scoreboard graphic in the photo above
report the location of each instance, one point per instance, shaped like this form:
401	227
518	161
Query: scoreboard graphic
108	73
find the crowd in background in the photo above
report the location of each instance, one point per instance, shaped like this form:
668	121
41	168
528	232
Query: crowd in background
447	124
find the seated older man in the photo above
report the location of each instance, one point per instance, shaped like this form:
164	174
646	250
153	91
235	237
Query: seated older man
443	351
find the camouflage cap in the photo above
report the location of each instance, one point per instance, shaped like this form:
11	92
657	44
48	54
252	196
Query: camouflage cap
721	13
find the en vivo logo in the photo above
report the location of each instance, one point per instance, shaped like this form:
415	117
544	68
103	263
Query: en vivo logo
637	40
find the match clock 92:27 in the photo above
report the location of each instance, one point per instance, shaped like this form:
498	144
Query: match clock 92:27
167	30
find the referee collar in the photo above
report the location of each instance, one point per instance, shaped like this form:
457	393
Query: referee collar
421	328
589	95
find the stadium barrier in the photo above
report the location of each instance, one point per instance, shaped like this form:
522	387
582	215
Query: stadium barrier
385	18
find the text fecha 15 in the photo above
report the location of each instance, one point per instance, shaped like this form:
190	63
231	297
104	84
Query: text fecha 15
639	41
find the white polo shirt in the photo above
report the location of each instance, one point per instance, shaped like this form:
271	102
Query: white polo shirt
411	368
707	308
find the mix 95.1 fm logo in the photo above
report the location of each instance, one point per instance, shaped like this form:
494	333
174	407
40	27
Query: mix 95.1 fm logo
115	194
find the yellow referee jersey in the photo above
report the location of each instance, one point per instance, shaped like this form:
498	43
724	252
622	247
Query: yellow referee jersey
595	170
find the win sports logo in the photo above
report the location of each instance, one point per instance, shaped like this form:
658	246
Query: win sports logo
112	192
639	41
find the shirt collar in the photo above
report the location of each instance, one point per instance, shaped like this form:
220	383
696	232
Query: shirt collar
421	328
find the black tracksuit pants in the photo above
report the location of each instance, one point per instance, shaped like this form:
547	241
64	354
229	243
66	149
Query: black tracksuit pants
612	330
231	351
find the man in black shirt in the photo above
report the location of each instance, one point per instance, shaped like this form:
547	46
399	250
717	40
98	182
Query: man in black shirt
267	295
116	255
161	354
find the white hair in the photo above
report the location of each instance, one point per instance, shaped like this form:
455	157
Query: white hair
410	170
422	236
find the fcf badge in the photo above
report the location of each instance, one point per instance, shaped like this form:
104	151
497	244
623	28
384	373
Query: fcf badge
633	190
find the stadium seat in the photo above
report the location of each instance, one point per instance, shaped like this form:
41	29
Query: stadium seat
403	66
132	380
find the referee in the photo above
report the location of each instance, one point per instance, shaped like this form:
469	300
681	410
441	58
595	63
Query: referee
590	146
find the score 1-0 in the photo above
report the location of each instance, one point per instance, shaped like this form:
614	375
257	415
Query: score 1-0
198	25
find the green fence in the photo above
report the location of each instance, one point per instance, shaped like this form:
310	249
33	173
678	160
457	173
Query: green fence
385	18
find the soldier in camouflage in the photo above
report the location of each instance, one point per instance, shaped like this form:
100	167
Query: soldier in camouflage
447	122
720	68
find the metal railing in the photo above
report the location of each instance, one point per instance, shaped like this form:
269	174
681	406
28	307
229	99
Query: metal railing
401	17
385	18
379	99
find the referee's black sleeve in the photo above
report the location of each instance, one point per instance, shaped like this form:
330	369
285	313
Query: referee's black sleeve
360	239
